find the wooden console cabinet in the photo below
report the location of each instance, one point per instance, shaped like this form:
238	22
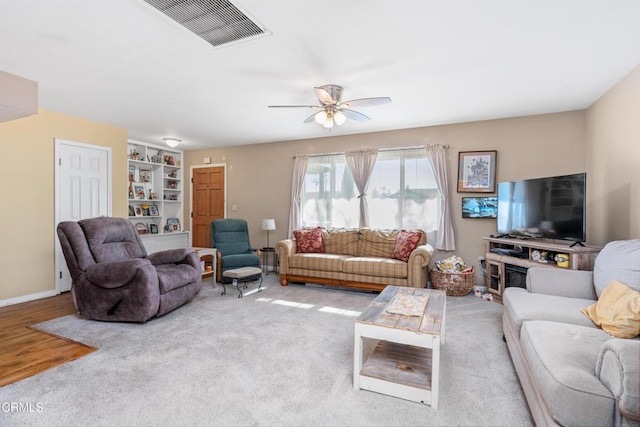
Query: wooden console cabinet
530	253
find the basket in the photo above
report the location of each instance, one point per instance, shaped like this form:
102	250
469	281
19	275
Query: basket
455	284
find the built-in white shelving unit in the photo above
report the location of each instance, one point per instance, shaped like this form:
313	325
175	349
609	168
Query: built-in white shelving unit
155	189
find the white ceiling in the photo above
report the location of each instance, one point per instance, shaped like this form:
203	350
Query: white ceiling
122	62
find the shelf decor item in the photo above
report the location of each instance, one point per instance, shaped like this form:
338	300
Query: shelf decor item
477	171
145	175
141	228
139	191
167	159
153	210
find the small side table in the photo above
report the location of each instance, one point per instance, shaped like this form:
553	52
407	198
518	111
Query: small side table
202	254
266	253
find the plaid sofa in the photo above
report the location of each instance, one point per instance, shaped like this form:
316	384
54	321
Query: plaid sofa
356	258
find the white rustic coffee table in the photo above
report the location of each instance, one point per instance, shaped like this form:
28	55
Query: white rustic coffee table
406	360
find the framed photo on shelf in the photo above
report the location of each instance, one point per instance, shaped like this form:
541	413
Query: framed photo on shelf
477	171
153	228
480	207
173	224
153	210
138	211
145	175
139	191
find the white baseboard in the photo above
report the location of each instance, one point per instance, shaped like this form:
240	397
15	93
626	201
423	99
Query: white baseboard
27	298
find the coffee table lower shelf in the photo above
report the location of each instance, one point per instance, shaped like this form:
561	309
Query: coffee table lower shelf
399	370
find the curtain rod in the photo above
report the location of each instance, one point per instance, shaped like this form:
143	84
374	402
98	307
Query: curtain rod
417	147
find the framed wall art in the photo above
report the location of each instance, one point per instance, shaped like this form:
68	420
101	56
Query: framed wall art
477	171
480	207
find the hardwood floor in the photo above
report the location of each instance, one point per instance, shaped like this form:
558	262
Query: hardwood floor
25	351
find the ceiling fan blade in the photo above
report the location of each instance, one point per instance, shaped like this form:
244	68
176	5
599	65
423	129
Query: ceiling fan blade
323	95
354	115
311	118
366	102
294	106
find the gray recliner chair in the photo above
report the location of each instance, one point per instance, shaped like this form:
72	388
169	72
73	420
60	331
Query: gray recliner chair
113	279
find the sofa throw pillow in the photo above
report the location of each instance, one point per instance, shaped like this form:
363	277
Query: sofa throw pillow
406	242
617	311
309	240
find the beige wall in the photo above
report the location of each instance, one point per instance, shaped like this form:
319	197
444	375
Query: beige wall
259	176
27	213
603	141
613	162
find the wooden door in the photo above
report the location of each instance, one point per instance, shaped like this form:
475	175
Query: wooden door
208	202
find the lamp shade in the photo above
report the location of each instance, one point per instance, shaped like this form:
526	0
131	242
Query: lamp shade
268	224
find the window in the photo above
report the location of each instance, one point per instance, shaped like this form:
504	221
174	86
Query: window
329	195
402	192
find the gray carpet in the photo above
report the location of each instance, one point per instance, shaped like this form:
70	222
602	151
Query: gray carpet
283	356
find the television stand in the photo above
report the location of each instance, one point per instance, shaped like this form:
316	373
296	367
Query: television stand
506	256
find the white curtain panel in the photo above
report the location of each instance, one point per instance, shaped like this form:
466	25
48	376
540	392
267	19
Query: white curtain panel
446	236
299	170
361	164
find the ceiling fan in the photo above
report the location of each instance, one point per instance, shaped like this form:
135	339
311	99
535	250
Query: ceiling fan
333	109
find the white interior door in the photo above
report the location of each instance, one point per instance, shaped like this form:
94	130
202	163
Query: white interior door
83	190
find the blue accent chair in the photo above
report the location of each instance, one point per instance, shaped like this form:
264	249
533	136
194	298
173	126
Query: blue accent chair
230	236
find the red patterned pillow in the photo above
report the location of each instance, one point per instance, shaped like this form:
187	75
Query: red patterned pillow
406	242
309	240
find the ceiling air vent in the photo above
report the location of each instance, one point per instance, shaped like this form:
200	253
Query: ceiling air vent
219	22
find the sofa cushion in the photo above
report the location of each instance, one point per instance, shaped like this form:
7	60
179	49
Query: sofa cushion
406	242
317	262
309	240
619	260
617	311
173	276
521	306
377	243
562	359
341	241
374	266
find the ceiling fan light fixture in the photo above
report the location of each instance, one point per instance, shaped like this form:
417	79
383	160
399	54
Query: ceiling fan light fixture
328	123
339	118
321	117
172	142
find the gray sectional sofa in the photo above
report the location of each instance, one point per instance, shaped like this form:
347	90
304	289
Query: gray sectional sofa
572	372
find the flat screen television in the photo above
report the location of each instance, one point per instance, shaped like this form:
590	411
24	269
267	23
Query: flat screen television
550	208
